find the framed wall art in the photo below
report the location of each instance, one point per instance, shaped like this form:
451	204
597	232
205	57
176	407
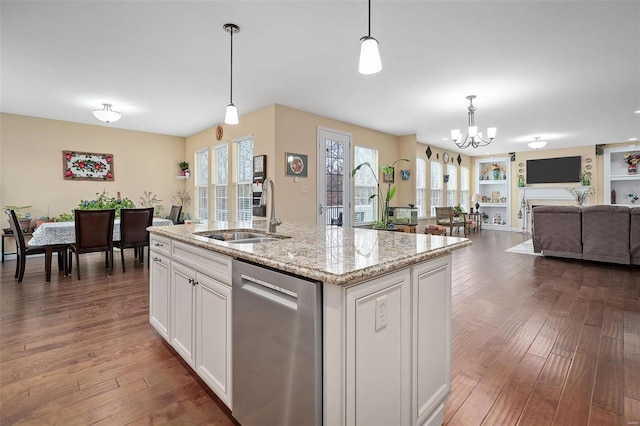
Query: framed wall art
87	166
296	164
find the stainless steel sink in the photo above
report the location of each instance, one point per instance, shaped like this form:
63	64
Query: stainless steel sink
240	237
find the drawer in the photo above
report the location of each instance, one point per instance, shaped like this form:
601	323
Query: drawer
214	265
160	244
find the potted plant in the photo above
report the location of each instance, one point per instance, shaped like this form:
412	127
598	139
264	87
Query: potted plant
23	218
104	201
383	223
184	168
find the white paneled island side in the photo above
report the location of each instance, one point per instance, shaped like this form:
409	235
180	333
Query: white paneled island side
385	306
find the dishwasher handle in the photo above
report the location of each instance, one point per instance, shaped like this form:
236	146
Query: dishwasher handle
265	290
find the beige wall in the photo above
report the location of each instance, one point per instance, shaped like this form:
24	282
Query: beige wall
31	163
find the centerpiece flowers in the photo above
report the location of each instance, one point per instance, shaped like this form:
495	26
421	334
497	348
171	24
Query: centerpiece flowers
496	169
632	160
580	194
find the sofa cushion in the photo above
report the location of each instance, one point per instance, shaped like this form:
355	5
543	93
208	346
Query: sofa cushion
605	233
634	240
557	231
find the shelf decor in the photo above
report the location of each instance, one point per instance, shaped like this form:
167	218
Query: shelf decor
87	166
632	161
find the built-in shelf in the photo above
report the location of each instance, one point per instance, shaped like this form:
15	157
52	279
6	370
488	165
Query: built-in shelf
616	177
499	189
183	177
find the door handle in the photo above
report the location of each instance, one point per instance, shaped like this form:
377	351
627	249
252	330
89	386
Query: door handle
320	209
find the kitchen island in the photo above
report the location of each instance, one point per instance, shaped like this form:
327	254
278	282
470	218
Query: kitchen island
386	311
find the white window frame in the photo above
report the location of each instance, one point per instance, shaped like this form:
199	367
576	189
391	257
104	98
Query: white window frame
221	183
365	184
436	185
452	185
465	187
201	182
244	178
421	187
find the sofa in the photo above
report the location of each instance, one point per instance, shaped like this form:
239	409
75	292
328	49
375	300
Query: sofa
600	233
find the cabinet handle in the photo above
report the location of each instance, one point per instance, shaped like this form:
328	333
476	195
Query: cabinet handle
158	244
157	259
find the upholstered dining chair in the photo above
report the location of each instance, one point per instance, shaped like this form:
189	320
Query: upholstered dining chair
23	250
174	216
445	217
133	231
94	233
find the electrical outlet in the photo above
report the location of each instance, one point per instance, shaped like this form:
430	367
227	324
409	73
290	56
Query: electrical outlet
381	312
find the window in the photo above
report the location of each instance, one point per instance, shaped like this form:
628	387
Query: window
365	185
452	185
221	183
421	184
436	186
244	179
465	200
202	185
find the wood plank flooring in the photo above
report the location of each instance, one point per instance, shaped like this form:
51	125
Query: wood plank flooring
536	341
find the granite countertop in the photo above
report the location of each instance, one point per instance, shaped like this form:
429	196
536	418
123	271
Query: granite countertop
331	254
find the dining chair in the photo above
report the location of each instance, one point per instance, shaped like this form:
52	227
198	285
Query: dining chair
133	232
23	250
94	233
174	216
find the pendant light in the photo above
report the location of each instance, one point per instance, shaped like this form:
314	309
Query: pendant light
369	54
106	114
231	115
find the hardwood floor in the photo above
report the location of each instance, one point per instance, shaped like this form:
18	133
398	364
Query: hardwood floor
535	341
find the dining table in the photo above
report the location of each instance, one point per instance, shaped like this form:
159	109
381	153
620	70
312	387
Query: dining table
53	233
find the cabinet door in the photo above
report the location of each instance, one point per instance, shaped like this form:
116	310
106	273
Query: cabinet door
159	293
378	355
431	349
213	336
183	281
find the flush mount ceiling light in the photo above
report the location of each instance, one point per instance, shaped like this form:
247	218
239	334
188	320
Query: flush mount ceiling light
106	114
473	137
369	54
231	116
537	143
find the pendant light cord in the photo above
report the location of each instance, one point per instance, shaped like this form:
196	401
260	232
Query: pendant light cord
231	70
369	18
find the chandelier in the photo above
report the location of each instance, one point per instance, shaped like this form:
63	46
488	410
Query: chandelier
473	137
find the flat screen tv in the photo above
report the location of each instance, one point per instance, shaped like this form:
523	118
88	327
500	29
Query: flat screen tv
554	170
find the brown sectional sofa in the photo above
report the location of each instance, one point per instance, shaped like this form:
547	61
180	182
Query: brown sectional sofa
602	233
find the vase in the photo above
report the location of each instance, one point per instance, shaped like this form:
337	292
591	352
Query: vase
496	174
633	169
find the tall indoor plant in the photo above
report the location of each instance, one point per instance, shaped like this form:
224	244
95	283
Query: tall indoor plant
383	223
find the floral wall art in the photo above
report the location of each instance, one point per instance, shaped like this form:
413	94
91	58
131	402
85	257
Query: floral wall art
87	166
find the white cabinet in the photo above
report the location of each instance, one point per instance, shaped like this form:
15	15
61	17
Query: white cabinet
378	383
213	336
183	282
387	348
494	186
190	306
431	340
618	179
160	266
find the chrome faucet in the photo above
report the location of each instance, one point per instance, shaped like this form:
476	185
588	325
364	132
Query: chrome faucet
273	220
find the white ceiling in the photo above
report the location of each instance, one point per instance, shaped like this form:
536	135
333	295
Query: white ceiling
566	71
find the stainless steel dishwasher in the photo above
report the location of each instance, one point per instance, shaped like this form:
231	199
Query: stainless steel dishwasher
277	347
